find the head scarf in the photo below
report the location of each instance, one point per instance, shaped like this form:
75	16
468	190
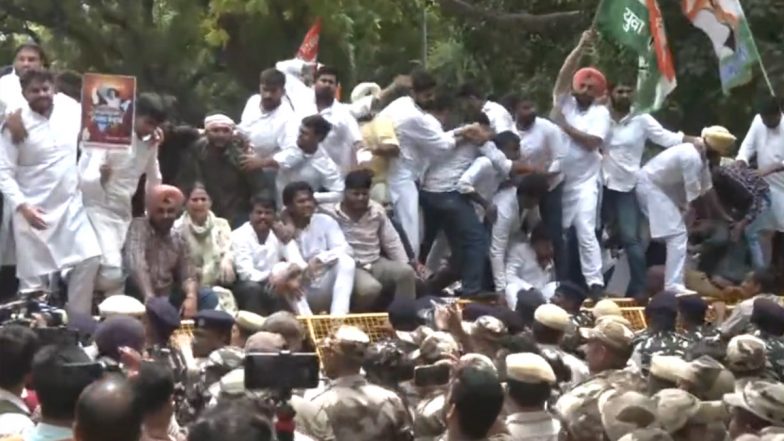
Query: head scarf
164	194
218	120
590	74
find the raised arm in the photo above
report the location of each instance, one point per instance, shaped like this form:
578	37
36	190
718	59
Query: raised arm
563	83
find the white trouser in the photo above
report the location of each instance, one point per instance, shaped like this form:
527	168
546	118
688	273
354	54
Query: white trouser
439	253
675	263
81	284
332	291
110	280
580	209
665	220
405	203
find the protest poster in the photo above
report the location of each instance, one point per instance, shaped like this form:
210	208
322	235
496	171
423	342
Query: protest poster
107	111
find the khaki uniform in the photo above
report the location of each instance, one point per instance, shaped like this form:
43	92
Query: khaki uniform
358	410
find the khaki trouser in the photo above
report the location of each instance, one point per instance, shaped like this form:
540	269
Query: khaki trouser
384	275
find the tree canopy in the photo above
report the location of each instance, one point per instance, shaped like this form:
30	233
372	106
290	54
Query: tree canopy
206	54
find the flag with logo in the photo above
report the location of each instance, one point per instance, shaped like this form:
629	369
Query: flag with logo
308	50
726	26
638	25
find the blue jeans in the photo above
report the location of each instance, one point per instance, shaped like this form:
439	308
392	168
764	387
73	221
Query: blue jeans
465	234
762	223
551	209
622	214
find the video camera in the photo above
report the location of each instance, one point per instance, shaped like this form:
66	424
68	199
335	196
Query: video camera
32	312
280	373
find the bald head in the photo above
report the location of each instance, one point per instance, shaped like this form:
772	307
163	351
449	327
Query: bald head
107	410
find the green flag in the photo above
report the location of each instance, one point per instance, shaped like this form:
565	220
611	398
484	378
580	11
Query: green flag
726	26
638	25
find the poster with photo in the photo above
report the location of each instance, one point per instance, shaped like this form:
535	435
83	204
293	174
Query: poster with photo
108	103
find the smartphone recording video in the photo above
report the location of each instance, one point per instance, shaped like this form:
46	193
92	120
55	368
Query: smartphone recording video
432	375
282	371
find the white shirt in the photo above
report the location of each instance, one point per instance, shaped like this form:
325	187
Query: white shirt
768	145
543	146
339	143
680	172
42	171
318	170
420	136
524	270
500	118
580	164
445	171
12	424
128	165
481	177
298	93
269	132
322	239
533	426
11	97
624	148
254	260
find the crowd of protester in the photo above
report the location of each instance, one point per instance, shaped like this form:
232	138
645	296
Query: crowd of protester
398	200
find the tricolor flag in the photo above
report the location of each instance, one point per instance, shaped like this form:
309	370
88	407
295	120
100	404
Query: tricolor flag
725	24
308	50
638	25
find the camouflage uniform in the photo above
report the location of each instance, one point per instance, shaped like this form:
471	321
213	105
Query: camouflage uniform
172	357
661	342
355	408
700	333
219	363
571	339
359	410
774	348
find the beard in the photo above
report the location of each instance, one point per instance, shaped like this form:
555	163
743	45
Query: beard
623	106
325	94
527	121
41	105
584	99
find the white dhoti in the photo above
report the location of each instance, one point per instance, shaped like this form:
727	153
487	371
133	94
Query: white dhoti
666	222
580	209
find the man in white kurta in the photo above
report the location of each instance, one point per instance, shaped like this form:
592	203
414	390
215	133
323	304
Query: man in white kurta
765	140
345	139
586	126
270	124
529	265
27	56
39	179
109	179
500	118
666	185
421	136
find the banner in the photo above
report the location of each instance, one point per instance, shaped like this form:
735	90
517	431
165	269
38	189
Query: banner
108	103
638	25
308	50
726	26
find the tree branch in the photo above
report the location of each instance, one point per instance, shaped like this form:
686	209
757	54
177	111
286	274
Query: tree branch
538	23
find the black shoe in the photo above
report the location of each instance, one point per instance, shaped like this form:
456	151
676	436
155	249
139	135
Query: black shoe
596	292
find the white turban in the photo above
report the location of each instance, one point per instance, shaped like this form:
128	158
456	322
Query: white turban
218	120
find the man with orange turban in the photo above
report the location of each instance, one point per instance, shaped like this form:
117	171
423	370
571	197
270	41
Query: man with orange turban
158	258
586	125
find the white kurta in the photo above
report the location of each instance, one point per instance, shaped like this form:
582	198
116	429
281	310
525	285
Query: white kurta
254	260
109	206
42	172
11	97
317	169
582	169
542	145
269	132
500	118
768	145
524	272
667	183
339	143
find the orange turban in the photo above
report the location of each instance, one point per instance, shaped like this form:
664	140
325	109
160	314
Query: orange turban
164	194
592	75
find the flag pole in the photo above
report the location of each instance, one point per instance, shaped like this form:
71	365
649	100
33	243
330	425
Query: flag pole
759	55
596	14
